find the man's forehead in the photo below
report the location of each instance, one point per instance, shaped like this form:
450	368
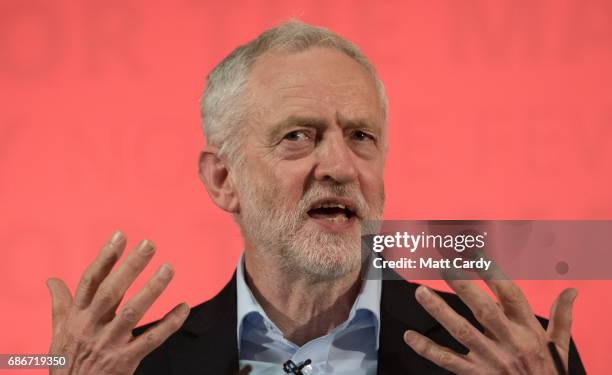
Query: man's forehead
287	68
319	82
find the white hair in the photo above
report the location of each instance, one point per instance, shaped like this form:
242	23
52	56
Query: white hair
224	105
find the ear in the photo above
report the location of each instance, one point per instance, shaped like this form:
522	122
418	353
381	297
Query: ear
214	174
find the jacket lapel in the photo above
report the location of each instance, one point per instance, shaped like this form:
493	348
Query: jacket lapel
212	328
400	311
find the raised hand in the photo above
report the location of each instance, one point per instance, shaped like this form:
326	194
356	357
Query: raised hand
87	329
514	341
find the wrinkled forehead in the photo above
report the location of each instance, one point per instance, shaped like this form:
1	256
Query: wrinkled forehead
319	82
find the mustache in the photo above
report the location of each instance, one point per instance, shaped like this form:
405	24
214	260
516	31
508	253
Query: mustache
330	191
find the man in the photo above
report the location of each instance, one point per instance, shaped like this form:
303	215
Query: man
295	123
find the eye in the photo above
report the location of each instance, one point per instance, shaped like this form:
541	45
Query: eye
297	135
362	136
296	143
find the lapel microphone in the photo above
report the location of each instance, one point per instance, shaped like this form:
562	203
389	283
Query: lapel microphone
303	368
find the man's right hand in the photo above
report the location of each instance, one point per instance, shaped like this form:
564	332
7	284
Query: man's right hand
87	329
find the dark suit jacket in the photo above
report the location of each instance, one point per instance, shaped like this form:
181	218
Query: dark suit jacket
206	343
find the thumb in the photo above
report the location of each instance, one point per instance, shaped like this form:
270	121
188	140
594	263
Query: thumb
61	300
559	328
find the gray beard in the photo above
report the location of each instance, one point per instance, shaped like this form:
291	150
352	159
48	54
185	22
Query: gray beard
280	232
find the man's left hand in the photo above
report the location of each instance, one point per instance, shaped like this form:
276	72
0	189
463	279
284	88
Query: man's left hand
514	341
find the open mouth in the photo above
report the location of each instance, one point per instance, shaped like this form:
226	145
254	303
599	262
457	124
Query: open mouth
337	213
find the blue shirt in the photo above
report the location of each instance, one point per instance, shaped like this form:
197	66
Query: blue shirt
350	348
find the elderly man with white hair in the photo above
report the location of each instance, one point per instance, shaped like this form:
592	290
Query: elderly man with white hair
296	138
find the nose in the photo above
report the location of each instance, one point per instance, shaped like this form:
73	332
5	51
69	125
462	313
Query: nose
336	160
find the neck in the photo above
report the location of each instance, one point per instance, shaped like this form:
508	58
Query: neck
304	308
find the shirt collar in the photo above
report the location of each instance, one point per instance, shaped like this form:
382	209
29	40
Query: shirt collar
246	303
368	300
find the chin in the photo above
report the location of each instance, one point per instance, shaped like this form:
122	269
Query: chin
325	255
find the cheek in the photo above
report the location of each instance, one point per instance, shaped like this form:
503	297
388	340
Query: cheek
291	182
372	183
288	179
374	191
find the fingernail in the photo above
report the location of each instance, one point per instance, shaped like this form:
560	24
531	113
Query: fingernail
409	337
183	309
146	247
423	292
165	271
117	237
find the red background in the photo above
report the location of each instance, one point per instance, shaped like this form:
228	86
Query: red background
498	110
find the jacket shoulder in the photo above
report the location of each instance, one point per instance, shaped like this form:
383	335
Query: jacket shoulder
208	331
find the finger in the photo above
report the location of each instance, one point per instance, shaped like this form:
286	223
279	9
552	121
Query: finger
245	370
110	314
455	324
485	310
439	355
155	336
61	300
136	307
115	285
510	296
99	269
560	325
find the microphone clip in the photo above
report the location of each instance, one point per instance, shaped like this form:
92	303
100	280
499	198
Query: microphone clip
290	367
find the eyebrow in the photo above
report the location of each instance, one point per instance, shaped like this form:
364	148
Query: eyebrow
318	123
359	123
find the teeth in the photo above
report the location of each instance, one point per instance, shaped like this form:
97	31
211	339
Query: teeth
338	219
331	205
